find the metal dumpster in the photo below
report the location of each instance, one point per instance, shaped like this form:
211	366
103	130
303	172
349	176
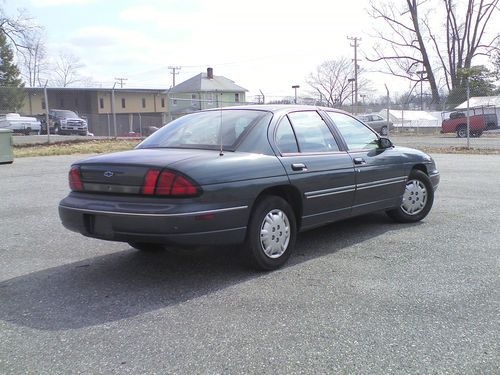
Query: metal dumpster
6	154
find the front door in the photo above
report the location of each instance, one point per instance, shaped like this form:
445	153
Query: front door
380	178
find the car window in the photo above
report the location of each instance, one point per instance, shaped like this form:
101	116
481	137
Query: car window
377	118
285	138
206	130
356	134
313	135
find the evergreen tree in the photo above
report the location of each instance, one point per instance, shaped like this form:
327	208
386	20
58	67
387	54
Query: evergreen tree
11	85
480	84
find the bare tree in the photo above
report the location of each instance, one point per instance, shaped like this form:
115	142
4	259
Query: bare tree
413	43
17	28
331	81
34	65
66	70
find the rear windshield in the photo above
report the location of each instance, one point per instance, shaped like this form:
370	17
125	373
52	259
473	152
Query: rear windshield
207	130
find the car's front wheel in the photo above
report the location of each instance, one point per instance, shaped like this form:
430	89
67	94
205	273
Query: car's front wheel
271	233
417	199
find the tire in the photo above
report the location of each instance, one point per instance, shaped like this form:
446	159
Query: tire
476	133
417	199
57	129
462	131
383	130
271	234
147	247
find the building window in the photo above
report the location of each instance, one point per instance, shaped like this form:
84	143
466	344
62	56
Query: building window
174	101
123	102
43	104
193	99
143	102
163	102
237	97
76	102
61	102
101	103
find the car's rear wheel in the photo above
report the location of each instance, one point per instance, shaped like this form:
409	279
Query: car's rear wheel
462	131
271	233
149	247
417	199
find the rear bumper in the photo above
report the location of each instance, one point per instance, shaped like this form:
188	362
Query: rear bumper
221	226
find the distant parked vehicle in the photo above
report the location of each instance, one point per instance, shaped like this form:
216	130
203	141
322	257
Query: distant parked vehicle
481	119
20	124
377	123
63	121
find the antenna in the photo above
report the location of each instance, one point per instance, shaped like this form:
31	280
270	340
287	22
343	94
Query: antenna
221	153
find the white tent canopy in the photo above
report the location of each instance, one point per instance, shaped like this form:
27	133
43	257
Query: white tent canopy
413	118
478	101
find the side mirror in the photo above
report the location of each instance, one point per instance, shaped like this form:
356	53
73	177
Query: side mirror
384	143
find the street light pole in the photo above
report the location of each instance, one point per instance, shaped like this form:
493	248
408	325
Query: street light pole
363	96
295	87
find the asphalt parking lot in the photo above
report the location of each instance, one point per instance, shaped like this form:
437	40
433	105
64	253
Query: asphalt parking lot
363	296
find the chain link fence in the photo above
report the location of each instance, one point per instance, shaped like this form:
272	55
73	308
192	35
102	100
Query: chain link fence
121	112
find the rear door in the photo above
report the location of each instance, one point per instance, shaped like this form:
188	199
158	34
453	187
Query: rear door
380	178
315	164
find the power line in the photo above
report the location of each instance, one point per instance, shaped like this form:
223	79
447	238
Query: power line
174	73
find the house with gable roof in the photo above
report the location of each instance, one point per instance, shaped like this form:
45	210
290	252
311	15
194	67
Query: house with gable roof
204	91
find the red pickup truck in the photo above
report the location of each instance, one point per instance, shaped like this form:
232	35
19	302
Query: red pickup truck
480	119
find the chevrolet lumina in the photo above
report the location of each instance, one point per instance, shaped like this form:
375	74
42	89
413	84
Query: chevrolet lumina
253	175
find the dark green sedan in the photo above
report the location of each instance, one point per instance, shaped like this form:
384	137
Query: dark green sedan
253	175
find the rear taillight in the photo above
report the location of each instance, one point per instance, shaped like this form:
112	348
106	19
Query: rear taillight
75	179
148	188
168	183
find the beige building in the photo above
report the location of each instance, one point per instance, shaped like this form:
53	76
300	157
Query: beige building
136	109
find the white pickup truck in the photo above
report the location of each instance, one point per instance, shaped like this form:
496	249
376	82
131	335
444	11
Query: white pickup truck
20	124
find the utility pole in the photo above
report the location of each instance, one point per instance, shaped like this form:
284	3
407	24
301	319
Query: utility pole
174	72
121	81
351	81
355	45
421	73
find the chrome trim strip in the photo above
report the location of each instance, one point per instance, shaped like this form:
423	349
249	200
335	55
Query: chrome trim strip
332	191
155	215
378	183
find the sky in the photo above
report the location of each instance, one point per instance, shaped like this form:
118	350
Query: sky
261	45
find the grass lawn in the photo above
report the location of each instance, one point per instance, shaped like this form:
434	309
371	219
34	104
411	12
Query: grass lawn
95	146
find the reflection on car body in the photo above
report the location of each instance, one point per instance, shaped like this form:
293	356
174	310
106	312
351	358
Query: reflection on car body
377	123
253	175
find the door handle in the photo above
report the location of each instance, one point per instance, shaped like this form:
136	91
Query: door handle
359	161
299	167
